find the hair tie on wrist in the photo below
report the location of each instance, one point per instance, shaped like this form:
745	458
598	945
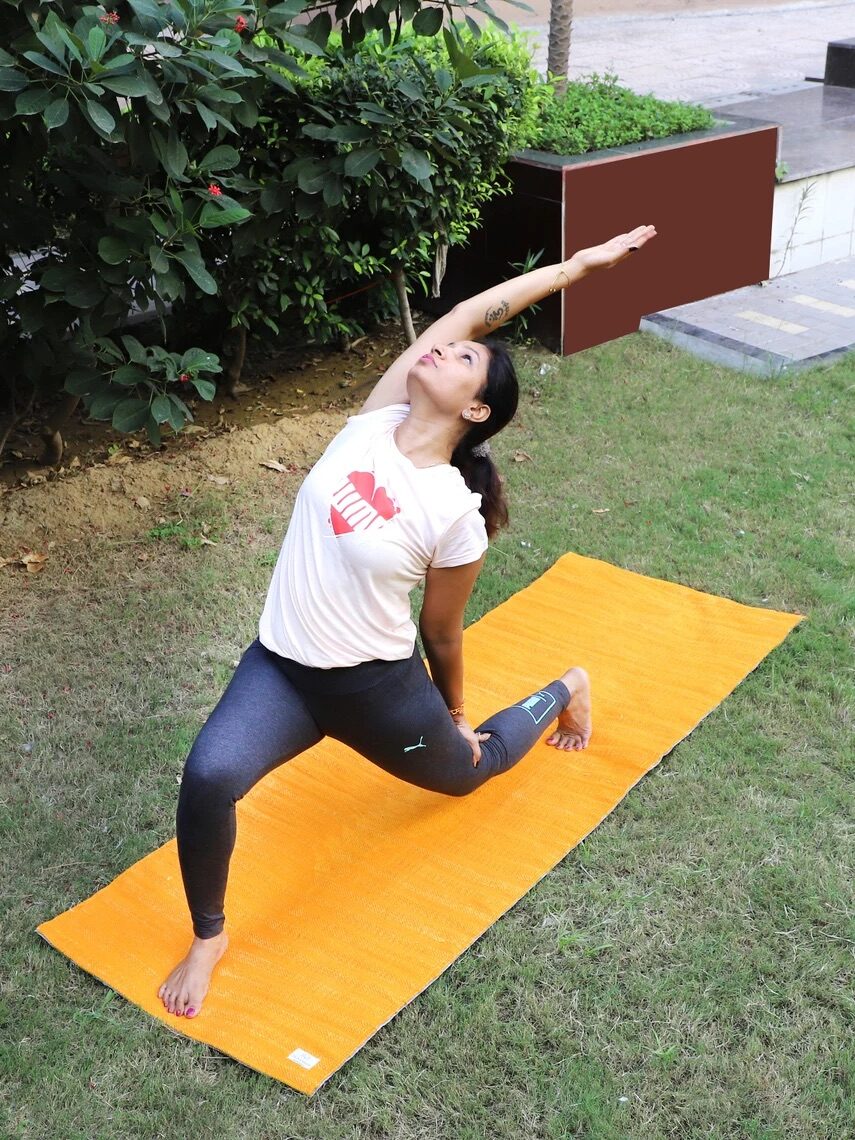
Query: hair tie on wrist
481	450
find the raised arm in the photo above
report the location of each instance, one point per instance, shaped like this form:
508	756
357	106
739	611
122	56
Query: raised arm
484	313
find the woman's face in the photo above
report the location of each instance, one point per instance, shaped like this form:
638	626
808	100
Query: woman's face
450	375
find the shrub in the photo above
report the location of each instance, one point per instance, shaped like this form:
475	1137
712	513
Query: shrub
597	114
380	154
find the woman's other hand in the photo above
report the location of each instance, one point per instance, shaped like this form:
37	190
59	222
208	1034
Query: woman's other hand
612	252
473	739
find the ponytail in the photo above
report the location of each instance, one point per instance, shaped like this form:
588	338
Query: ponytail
471	456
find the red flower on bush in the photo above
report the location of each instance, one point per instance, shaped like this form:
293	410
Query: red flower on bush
184	377
214	190
109	18
240	25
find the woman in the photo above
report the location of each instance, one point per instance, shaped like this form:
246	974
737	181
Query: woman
405	493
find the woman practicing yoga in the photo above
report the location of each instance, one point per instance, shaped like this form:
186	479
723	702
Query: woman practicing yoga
405	493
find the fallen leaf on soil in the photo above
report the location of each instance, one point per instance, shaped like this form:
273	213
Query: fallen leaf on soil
33	561
75	461
273	465
193	429
118	457
220	480
142	502
521	456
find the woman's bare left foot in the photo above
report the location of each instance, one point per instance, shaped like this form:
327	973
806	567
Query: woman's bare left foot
574	724
184	990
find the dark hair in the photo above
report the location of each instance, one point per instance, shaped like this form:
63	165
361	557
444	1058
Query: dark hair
501	394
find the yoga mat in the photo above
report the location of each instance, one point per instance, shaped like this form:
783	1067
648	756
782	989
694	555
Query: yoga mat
351	891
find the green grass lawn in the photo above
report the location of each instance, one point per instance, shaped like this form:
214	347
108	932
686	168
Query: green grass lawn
687	971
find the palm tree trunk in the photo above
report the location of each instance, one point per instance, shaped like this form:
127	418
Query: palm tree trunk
560	29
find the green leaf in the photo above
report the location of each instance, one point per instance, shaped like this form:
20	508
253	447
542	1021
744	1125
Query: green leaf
13	80
45	63
129	375
318	29
427	21
32	102
83	294
96	42
206	115
153	431
417	163
284	13
129	85
213	216
130	415
104	404
99	116
220	158
350	132
200	360
134	349
195	267
116	62
311	178
160	409
56	113
359	162
83	381
158	259
333	191
54	46
206	389
176	154
113	250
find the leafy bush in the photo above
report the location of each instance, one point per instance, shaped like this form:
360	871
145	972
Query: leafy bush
119	126
597	113
380	153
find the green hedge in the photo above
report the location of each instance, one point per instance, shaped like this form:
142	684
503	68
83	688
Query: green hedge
596	113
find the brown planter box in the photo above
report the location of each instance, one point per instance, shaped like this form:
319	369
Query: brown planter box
709	194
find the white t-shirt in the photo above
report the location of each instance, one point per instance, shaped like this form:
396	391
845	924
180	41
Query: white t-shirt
366	526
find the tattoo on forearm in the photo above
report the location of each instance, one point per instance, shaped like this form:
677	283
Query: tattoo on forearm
497	315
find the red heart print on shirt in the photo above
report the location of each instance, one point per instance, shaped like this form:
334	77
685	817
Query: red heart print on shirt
359	504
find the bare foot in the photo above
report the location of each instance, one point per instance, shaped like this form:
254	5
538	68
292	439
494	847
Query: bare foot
574	724
184	990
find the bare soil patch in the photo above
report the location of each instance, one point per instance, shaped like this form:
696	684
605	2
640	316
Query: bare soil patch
115	485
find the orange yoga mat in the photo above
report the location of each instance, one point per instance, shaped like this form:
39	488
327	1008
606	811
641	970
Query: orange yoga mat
351	891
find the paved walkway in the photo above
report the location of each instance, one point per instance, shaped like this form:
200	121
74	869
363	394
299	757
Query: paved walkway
734	57
705	57
792	322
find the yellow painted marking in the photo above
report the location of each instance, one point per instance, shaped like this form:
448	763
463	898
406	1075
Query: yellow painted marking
825	306
772	322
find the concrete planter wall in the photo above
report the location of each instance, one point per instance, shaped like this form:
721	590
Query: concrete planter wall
708	193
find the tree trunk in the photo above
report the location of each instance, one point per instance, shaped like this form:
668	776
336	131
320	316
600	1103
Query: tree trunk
560	29
234	344
404	304
52	435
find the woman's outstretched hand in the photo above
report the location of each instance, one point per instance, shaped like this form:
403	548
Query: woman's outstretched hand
612	252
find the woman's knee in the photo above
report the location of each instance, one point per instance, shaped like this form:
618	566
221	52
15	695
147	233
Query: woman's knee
210	775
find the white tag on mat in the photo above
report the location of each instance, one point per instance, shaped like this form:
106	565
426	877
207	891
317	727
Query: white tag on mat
303	1059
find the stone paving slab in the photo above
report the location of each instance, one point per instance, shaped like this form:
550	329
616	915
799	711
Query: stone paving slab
793	322
704	56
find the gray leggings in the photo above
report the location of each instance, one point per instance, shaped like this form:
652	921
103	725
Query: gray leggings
273	709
